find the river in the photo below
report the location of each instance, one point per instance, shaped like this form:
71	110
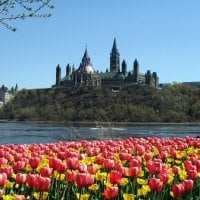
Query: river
28	133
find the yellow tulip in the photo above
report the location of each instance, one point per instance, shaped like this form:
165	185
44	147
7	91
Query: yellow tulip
83	196
9	184
94	187
182	174
127	196
8	197
100	176
143	191
141	181
124	181
170	180
37	195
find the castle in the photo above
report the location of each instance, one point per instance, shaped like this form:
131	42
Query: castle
6	95
86	75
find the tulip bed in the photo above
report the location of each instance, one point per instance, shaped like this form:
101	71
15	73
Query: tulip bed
133	168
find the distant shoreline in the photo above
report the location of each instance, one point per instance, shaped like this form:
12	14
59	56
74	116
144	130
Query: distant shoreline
109	124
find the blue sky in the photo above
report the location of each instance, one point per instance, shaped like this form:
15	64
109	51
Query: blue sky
163	35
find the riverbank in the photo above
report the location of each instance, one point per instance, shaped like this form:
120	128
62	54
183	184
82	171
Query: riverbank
107	124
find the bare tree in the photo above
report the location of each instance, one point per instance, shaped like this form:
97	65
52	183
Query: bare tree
11	10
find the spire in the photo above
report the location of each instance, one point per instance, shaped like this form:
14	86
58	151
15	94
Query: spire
114	58
86	58
86	53
114	48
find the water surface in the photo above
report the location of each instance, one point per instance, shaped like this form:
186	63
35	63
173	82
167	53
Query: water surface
21	133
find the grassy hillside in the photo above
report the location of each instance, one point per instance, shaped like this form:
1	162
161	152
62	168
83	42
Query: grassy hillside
133	103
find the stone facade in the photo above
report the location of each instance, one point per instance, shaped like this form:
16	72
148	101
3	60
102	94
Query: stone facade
86	75
6	94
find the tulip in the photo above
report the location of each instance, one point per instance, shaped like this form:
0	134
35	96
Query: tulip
61	155
46	171
20	178
110	192
19	197
115	177
82	167
92	169
177	190
175	169
100	160
155	184
32	179
192	174
43	183
84	180
188	184
3	161
164	176
8	171
34	162
60	166
3	179
133	171
72	163
108	164
71	176
18	166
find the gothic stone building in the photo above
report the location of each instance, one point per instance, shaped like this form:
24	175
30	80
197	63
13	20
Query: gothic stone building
86	75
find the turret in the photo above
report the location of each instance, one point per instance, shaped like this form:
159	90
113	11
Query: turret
148	78
68	70
155	79
58	75
124	67
135	71
114	58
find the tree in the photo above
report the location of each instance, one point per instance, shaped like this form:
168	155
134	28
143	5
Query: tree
11	10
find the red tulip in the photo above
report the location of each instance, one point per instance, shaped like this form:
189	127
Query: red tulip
61	155
164	176
46	171
3	161
178	190
135	162
100	160
34	162
53	162
115	177
43	183
188	184
147	156
32	179
108	164
18	166
133	171
110	192
192	174
92	169
8	171
124	156
72	163
20	178
70	176
155	167
60	166
175	169
3	179
155	184
84	180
